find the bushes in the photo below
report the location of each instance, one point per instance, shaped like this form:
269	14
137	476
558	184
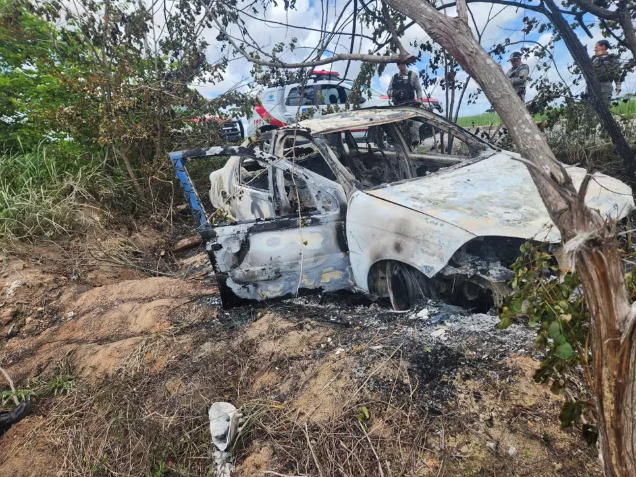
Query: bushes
47	193
576	137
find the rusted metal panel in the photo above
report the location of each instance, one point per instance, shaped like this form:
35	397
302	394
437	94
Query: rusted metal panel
240	201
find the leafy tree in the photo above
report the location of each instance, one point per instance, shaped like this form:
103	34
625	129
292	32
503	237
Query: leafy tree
34	80
110	77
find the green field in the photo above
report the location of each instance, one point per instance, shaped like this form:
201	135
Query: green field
487	119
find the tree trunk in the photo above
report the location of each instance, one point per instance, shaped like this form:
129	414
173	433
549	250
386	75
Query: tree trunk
625	21
595	247
461	99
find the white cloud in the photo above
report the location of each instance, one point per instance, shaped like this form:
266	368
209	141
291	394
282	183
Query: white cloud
497	23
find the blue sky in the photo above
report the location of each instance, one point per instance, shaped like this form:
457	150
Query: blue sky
507	22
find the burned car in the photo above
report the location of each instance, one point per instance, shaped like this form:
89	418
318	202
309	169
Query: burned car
315	208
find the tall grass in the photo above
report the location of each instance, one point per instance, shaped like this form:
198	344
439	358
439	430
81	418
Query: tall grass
43	194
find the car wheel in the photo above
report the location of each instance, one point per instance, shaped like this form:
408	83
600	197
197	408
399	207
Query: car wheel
406	286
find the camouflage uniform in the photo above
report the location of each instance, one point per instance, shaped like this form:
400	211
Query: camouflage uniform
608	71
518	76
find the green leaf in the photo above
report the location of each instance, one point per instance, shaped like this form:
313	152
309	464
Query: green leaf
554	329
505	320
565	351
535	317
366	413
570	413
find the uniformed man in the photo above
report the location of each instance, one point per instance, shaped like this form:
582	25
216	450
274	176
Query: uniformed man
607	69
404	88
518	75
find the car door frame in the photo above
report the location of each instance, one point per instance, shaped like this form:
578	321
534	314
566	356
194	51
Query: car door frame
243	254
343	176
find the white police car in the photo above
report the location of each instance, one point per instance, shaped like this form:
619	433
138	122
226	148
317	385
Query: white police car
282	105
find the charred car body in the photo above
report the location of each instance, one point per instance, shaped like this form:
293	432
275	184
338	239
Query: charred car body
311	208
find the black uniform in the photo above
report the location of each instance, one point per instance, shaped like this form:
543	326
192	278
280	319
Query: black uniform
405	88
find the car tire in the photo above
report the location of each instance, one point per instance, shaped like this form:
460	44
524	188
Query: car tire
406	286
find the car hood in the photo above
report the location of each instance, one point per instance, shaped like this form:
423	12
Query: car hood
496	196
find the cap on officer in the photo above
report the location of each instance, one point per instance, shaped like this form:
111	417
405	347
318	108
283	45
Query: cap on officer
515	56
604	43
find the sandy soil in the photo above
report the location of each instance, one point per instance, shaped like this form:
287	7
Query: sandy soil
122	368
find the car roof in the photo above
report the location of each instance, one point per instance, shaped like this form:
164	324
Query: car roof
366	117
357	118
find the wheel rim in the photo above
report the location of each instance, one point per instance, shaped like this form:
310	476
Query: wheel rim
403	286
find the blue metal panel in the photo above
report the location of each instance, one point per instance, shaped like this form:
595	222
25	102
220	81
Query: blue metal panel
189	192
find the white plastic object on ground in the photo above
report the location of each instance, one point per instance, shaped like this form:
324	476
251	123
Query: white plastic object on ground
224	422
224	425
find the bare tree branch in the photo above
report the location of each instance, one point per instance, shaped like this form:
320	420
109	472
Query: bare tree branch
392	29
625	20
289	25
275	63
462	11
509	3
600	12
353	36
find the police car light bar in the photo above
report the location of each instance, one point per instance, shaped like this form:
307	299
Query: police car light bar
324	74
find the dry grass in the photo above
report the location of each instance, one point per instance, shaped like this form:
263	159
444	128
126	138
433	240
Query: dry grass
427	410
140	423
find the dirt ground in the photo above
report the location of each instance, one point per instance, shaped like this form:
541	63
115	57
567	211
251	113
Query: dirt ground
122	367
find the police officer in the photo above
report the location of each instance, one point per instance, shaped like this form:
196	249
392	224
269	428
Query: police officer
404	88
518	75
607	69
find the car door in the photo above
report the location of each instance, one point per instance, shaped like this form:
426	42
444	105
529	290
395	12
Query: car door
301	249
251	190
